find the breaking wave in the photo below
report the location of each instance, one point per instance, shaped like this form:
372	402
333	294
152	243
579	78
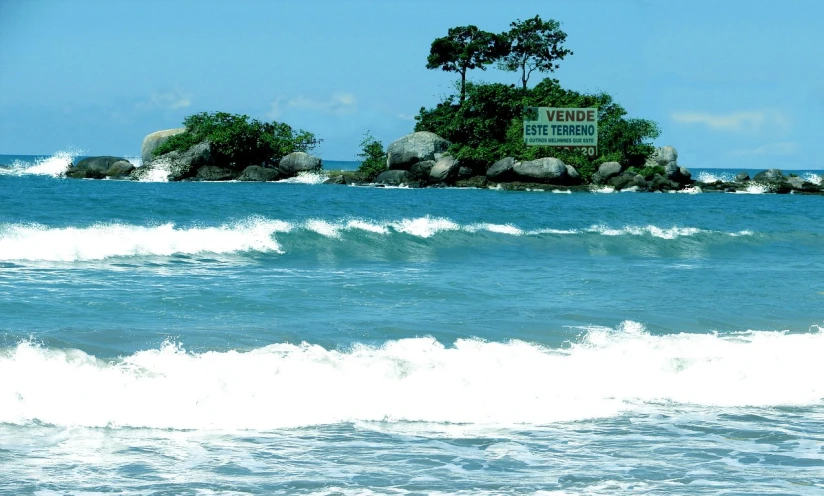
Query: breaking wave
54	165
604	373
36	242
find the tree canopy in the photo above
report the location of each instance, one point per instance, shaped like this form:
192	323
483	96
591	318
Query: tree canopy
534	44
238	141
464	48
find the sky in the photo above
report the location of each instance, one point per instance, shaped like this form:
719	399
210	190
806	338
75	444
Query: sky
735	84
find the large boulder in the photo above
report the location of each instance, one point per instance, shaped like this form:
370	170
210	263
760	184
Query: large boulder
258	173
413	148
742	177
680	175
155	139
664	156
770	176
393	177
185	165
100	167
297	162
501	171
544	170
445	170
608	170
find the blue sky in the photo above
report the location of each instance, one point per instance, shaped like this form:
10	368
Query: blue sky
732	83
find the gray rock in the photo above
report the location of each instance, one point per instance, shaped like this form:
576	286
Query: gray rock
680	175
572	174
770	175
608	170
796	182
121	168
413	148
296	162
185	165
464	173
258	173
393	177
665	155
336	179
100	167
543	170
742	177
502	170
155	139
445	170
621	182
212	173
420	170
472	182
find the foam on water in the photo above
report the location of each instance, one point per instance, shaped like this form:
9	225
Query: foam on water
812	177
606	372
711	177
34	242
306	178
754	189
40	243
54	165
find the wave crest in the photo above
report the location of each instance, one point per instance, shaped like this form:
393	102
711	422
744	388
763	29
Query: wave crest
605	373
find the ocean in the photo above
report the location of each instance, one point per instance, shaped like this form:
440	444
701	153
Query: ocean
298	338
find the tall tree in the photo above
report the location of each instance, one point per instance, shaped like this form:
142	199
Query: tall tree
464	48
535	44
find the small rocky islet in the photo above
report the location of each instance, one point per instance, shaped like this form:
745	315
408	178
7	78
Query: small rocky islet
421	160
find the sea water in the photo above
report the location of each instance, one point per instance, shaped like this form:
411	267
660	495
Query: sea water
299	338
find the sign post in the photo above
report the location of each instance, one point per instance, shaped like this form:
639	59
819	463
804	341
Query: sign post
562	127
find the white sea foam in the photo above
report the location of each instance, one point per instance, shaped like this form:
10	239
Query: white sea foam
424	227
605	189
157	173
608	371
40	243
306	178
34	242
711	177
658	232
754	189
812	177
54	165
690	190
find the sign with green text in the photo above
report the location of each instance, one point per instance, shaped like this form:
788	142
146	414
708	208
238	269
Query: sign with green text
567	127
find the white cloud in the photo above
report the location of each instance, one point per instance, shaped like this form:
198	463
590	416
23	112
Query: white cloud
406	117
338	104
771	149
753	120
167	100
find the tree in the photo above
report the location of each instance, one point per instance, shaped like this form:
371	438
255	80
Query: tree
464	48
373	158
534	44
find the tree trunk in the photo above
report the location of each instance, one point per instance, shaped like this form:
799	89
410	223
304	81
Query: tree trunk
524	77
463	85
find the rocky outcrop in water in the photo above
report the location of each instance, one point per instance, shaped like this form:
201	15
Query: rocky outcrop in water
100	168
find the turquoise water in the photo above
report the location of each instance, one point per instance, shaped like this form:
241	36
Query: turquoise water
282	338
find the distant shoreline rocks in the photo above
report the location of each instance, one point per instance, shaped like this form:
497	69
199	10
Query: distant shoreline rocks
422	160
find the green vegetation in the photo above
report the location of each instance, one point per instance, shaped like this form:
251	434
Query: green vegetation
372	156
238	141
484	121
647	172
